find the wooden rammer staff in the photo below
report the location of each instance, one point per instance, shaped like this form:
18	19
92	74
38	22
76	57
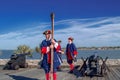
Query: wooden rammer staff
52	51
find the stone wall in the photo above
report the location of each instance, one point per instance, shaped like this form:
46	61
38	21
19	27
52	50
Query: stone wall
34	62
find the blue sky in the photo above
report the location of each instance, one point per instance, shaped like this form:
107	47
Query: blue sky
90	22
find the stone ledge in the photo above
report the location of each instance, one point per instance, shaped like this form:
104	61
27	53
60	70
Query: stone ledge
34	62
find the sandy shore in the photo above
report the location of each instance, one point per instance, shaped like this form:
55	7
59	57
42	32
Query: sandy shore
34	62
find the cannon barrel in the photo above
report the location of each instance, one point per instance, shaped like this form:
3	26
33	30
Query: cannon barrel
24	54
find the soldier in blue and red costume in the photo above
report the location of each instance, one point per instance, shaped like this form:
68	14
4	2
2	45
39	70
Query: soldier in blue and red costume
71	53
46	47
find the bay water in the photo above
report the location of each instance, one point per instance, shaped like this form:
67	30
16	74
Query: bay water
111	54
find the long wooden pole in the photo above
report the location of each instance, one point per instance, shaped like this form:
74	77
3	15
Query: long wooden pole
52	51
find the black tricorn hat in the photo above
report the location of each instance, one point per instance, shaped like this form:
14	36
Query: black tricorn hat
70	38
59	41
47	32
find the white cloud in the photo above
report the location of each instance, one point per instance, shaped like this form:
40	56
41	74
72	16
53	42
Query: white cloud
103	31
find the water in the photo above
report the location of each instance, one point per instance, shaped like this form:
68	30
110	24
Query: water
5	54
112	54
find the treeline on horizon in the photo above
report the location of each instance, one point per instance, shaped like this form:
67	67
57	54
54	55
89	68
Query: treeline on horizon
99	48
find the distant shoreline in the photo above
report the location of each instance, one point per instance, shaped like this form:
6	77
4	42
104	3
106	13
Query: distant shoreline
98	48
88	48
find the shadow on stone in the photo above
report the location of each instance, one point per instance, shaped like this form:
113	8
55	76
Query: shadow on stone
76	71
15	77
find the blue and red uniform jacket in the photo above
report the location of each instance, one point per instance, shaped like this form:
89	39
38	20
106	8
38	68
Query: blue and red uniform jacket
71	50
47	54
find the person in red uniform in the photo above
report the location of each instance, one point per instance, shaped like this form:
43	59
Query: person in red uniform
60	52
71	53
46	47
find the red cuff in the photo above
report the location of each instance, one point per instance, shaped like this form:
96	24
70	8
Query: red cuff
75	52
44	50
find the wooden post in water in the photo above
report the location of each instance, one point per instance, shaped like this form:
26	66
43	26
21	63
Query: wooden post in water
52	51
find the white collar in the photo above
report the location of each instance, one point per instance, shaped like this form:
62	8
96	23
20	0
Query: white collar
70	43
48	39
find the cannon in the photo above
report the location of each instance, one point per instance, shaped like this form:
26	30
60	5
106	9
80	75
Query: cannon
92	67
16	61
